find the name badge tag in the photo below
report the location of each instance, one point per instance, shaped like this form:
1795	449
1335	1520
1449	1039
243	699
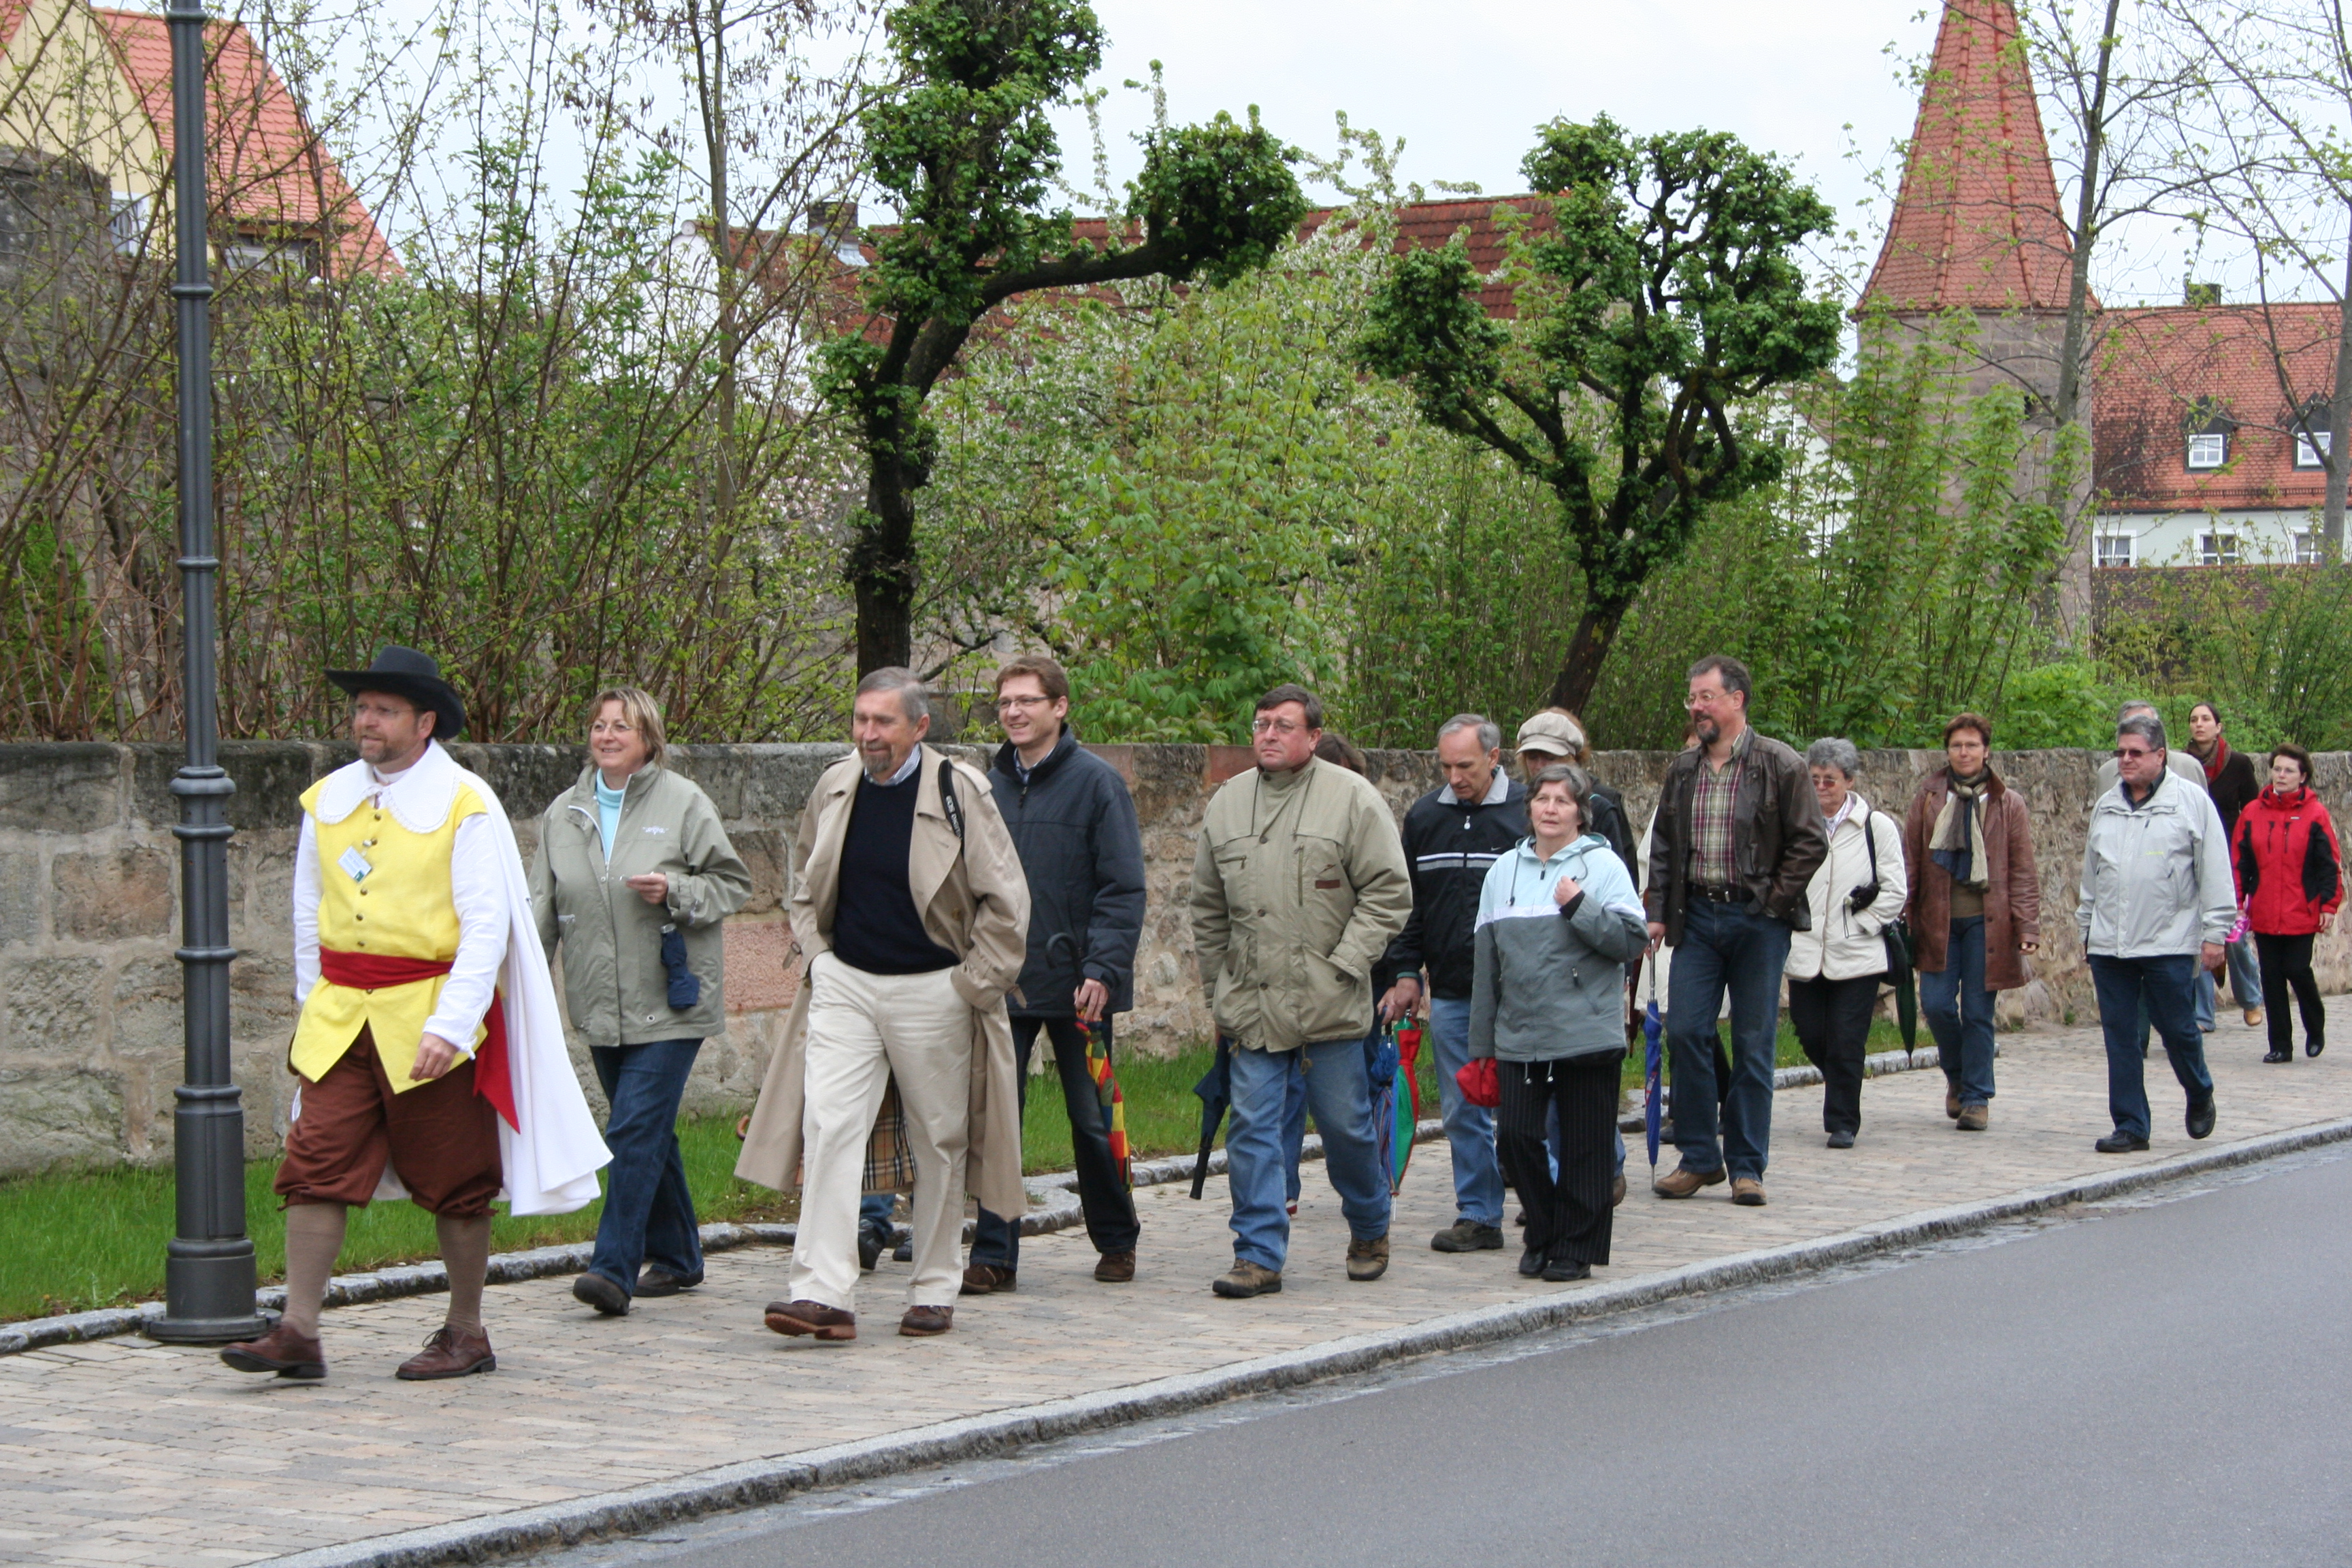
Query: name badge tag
354	865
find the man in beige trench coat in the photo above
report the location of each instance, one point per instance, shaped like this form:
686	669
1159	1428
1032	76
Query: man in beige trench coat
909	903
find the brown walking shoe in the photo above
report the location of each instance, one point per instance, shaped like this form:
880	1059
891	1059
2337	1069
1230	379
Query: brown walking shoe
1116	1268
1682	1182
986	1280
1748	1192
1617	1190
813	1318
1952	1103
1368	1260
1973	1118
1245	1280
291	1355
450	1353
923	1323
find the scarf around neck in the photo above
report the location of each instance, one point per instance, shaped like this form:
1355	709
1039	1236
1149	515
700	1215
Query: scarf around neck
1958	843
2215	760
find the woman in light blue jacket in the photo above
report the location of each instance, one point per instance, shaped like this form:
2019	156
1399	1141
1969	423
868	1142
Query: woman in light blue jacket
1557	921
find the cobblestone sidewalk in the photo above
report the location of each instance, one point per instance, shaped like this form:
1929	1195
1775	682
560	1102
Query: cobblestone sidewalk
125	1452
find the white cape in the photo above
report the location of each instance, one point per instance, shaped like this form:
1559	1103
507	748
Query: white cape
550	1165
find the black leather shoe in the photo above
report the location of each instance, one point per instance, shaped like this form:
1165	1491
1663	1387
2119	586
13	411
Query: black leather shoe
1840	1139
2200	1118
1531	1263
2279	1056
1560	1271
595	1291
2120	1143
655	1280
904	1252
869	1249
2314	1045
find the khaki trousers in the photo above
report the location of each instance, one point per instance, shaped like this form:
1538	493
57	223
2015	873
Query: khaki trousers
864	1030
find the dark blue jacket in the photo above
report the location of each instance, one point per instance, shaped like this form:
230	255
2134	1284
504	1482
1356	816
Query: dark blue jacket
1449	845
1072	823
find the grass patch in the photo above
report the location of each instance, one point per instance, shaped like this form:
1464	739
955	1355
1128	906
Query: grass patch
80	1240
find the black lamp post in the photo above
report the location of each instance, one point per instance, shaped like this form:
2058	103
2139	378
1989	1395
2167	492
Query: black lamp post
208	1268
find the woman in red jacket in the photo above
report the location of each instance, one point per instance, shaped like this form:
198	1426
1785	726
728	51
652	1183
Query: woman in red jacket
2289	883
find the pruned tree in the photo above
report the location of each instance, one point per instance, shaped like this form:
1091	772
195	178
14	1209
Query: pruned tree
962	145
1659	290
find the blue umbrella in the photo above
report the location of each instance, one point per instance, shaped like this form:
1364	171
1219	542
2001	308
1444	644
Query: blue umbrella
1380	1066
1654	1031
1216	1091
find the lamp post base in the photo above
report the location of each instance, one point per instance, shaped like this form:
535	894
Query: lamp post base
208	1330
209	1289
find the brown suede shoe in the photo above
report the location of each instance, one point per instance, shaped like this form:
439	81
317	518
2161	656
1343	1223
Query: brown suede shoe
1748	1192
449	1353
813	1318
1617	1190
1368	1260
1245	1280
1952	1103
986	1280
291	1355
1115	1268
1973	1118
923	1323
1682	1182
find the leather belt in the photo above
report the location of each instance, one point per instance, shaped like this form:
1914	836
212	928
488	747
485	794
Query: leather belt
1733	895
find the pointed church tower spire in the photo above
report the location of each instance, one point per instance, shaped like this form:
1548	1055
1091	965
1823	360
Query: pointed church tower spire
1976	225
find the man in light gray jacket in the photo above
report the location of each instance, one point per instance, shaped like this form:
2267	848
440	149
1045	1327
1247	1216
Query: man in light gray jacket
2157	900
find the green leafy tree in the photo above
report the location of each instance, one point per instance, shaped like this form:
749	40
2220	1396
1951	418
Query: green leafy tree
963	146
1658	289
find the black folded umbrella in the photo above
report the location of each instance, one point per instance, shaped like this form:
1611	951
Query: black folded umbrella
1216	1091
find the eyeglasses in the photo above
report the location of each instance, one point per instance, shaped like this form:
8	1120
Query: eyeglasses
2123	753
1274	727
1704	698
1020	704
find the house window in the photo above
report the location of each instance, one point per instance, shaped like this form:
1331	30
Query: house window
2217	549
2306	549
126	223
2208	451
2114	549
2311	449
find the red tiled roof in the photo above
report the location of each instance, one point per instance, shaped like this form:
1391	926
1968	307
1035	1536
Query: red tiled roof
2157	365
267	167
1977	222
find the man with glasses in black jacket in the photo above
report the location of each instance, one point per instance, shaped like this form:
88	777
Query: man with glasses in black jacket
1072	823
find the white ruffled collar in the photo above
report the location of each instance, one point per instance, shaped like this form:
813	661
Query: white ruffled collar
419	799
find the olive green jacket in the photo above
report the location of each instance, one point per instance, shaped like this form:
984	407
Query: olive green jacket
614	987
1297	887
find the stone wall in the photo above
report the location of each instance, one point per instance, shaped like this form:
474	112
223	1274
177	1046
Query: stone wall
89	993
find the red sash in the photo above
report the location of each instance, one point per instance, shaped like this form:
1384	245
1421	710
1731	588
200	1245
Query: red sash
366	971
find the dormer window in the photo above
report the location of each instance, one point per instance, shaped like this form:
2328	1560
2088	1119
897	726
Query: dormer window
2312	435
2207	430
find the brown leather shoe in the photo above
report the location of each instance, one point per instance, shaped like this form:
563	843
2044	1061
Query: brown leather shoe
986	1280
1682	1182
1368	1260
1952	1103
291	1355
1973	1118
1617	1190
1748	1192
813	1318
1116	1268
923	1323
449	1353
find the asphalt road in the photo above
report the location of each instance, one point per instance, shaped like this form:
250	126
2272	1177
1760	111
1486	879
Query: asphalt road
2155	1384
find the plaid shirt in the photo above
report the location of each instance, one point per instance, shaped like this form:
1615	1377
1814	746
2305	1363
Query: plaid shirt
1713	863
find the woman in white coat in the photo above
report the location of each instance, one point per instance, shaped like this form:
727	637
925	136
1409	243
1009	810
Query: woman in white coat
1835	968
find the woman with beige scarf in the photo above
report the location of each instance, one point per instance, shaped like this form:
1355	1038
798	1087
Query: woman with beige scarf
1975	909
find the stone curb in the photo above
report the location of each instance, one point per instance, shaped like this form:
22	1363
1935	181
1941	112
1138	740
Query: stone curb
756	1482
1058	1210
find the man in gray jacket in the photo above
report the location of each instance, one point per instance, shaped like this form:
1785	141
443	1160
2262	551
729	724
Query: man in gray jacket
1073	823
2157	900
1298	887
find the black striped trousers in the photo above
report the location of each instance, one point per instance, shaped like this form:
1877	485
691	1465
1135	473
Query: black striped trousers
1567	1218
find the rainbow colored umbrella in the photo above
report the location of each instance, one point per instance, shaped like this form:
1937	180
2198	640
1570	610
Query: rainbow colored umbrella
1113	1103
1654	1032
1404	1109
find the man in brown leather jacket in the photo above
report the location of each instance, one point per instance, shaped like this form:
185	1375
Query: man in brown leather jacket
1738	839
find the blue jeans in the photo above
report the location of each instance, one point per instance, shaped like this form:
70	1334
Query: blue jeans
1469	1129
1109	1207
2245	981
1959	1005
874	1215
1293	1132
2166	987
649	1213
1339	1094
1739	950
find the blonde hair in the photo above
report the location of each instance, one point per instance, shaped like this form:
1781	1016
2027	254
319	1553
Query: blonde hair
639	712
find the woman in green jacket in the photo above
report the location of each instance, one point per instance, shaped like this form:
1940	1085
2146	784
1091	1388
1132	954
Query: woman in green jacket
632	877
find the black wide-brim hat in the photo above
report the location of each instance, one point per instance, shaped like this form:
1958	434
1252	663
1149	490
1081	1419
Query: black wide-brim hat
405	672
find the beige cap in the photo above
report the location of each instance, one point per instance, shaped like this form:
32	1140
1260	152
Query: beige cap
1555	734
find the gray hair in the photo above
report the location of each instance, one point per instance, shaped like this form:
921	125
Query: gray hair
914	697
1490	734
1835	751
1580	788
2136	705
2146	726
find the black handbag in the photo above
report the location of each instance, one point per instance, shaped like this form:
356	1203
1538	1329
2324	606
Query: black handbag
1896	935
